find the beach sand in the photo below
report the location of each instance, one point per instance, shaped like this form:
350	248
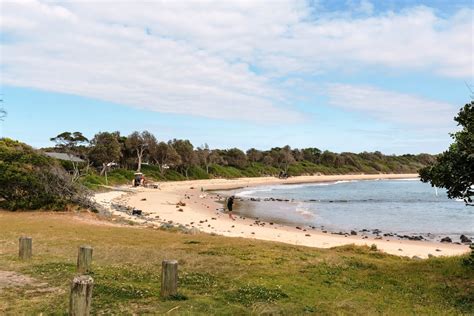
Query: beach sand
203	211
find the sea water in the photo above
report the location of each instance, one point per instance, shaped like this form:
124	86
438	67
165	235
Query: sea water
405	206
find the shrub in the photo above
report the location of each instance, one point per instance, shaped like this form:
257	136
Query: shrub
30	180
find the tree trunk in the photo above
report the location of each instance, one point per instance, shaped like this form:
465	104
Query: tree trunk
104	168
139	155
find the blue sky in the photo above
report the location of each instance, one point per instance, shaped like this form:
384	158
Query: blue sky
338	75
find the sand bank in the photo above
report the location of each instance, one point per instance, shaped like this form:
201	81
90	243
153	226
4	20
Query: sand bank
204	212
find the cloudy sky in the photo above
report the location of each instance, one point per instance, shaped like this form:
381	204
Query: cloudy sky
339	75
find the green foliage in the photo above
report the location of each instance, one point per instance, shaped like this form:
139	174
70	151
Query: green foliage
454	168
196	172
249	294
115	177
469	261
105	148
30	180
225	172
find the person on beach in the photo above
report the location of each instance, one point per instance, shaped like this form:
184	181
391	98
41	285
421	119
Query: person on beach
230	204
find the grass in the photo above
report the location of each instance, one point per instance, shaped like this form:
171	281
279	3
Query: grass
255	169
222	276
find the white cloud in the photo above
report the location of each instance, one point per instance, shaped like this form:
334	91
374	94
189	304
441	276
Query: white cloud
196	57
389	106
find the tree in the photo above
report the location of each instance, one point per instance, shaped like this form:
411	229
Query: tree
205	156
105	149
328	158
283	157
186	151
311	154
72	144
139	144
164	156
454	168
235	158
254	155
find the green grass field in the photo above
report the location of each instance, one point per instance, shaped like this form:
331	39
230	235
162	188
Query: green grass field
221	276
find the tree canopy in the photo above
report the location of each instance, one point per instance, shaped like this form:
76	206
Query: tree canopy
454	168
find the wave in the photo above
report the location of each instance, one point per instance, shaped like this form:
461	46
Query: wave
286	187
253	191
304	211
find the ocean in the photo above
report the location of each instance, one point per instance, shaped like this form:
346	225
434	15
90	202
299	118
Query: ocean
404	206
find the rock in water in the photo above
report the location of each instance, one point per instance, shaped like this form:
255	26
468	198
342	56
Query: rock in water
464	239
353	232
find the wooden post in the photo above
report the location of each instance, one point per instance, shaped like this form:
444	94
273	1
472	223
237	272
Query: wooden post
80	299
169	278
84	259
26	246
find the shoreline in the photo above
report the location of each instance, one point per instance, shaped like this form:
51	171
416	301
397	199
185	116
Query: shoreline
187	204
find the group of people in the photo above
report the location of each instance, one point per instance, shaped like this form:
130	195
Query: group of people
139	180
283	175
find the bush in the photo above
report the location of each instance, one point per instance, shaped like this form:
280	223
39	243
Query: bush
30	180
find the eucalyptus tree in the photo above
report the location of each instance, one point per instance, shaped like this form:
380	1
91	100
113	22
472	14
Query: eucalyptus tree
139	143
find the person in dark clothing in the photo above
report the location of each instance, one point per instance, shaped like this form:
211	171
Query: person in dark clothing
230	204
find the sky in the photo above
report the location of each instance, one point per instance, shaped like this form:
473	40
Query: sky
343	75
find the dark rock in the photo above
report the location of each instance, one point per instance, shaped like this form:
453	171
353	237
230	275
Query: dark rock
136	212
464	239
353	233
446	239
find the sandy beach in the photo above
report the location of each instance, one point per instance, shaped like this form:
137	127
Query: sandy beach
201	210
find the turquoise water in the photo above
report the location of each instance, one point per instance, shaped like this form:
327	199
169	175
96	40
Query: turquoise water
405	206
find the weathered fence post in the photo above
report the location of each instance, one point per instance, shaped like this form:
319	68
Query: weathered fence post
84	259
26	246
169	278
81	296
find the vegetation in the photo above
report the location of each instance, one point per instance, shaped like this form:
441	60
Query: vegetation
454	168
220	275
178	159
31	180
